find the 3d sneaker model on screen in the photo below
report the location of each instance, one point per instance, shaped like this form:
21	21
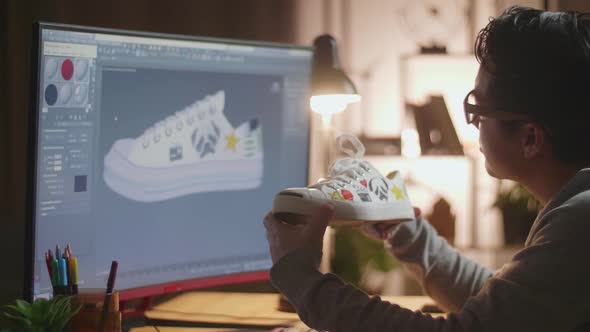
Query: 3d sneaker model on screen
195	150
359	193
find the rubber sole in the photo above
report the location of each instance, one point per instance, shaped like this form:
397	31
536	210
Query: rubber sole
287	207
150	184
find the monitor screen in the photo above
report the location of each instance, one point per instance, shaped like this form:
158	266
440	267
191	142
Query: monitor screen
162	152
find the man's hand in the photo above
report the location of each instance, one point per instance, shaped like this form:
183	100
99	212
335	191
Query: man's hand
383	231
285	238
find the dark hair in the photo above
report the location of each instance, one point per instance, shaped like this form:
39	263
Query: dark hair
540	61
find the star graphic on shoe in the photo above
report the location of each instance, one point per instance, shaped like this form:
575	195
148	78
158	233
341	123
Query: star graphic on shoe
397	192
336	196
232	140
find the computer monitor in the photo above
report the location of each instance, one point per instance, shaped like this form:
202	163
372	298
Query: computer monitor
162	152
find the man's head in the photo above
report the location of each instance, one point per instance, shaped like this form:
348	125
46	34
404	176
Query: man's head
536	65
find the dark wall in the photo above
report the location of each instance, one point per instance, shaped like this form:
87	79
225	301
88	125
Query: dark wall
577	5
265	20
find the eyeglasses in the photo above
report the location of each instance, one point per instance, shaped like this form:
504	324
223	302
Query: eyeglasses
474	112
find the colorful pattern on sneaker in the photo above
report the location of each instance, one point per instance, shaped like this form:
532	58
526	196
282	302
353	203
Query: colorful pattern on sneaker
194	150
359	193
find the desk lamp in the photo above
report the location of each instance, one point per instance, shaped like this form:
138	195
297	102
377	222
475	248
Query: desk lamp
331	92
331	89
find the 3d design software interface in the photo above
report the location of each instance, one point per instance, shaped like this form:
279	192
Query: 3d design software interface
164	154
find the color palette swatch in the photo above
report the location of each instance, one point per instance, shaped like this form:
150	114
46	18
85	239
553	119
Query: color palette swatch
67	69
67	81
81	69
50	68
51	94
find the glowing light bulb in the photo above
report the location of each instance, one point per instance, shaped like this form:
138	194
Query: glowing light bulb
327	105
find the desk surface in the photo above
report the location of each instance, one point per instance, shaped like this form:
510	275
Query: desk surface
240	308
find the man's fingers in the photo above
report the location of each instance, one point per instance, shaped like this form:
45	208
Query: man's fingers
268	219
381	228
417	212
323	215
371	230
320	219
273	224
378	231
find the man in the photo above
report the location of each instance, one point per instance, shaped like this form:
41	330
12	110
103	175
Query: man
530	104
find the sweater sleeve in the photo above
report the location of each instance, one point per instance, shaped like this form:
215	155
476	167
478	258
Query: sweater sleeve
542	289
446	276
325	302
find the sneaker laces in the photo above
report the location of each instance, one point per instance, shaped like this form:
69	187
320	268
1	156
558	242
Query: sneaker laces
348	169
167	126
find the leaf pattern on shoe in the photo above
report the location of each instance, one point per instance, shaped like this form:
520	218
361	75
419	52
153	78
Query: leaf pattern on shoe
379	187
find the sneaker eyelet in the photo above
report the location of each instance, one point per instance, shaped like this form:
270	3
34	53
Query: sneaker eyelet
190	120
168	131
146	143
156	138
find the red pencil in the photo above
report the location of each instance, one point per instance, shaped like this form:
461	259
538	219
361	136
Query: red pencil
48	259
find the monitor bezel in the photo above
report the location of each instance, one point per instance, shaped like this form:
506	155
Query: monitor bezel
31	181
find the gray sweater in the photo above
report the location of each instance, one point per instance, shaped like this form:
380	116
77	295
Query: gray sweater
545	287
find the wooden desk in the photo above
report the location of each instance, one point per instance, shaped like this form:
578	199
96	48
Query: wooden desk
240	308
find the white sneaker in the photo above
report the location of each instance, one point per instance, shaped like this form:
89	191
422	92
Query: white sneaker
195	150
359	193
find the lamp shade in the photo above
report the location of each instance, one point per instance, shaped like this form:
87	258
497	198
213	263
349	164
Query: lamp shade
331	89
327	75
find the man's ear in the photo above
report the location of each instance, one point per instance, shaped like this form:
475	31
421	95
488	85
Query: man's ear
533	141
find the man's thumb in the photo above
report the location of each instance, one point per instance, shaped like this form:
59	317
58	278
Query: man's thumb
320	219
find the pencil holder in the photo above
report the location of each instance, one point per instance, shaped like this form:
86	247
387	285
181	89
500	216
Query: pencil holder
88	319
